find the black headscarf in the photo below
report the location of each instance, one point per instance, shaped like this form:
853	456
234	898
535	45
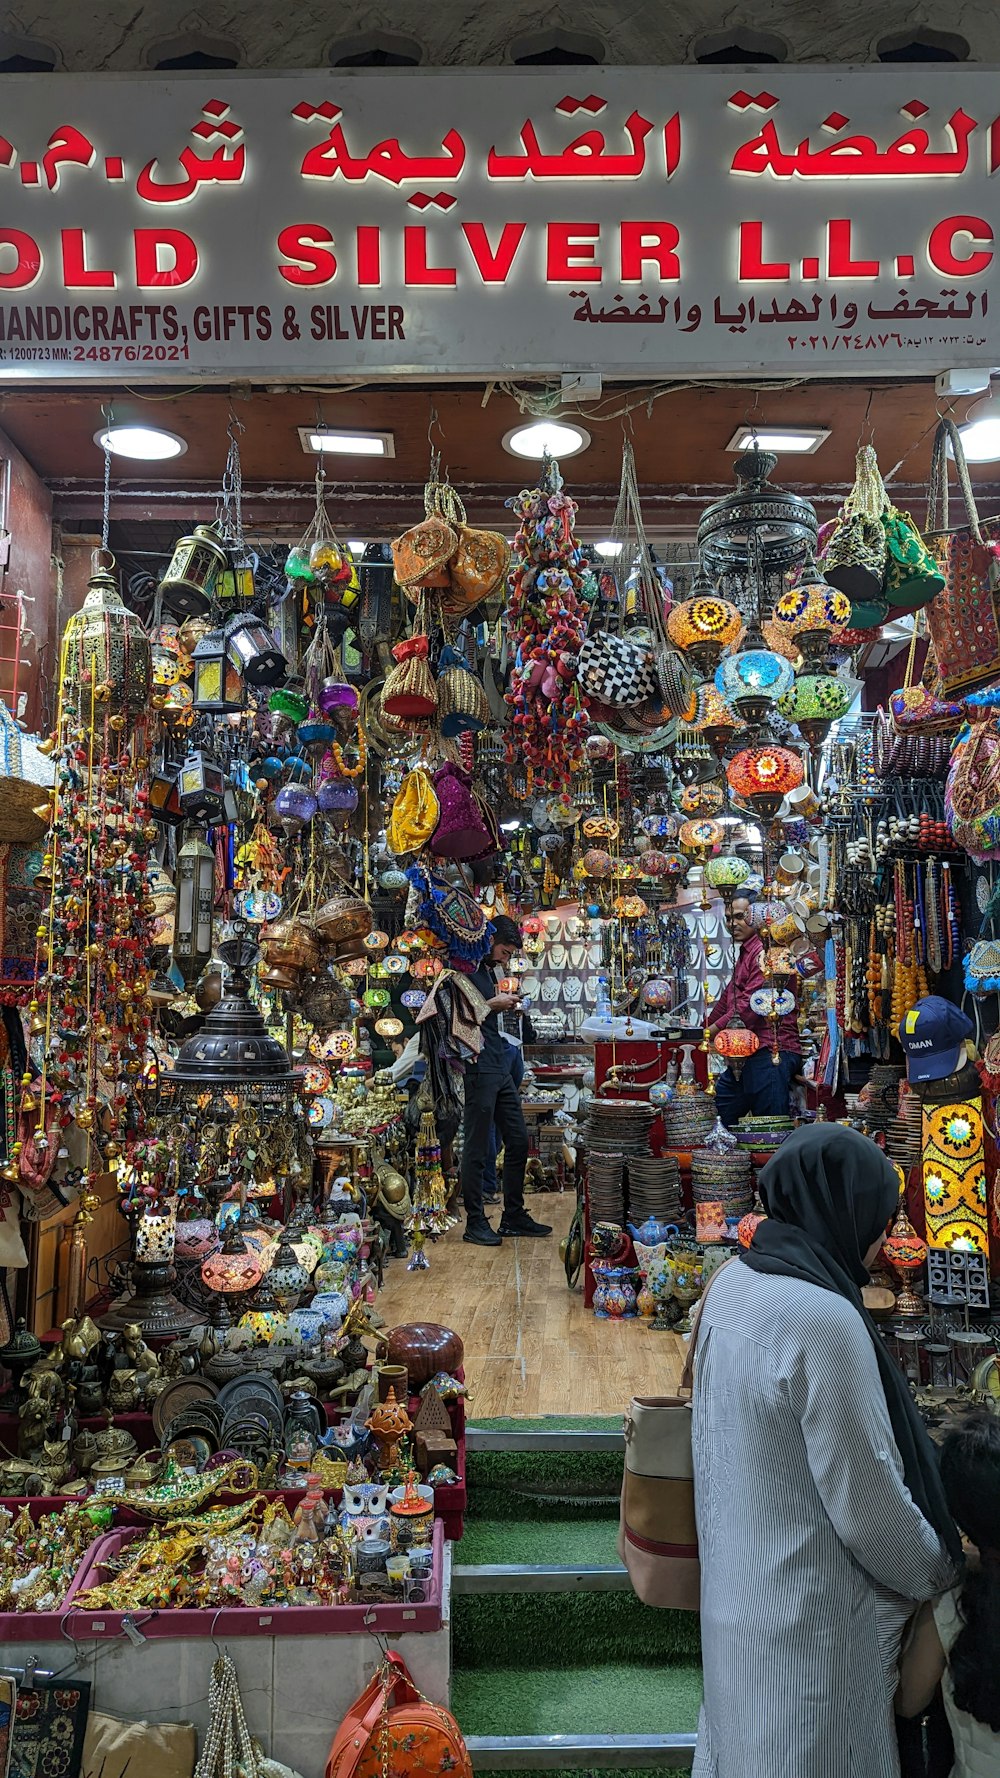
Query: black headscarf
829	1193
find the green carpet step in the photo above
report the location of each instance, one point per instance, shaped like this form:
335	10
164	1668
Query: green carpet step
614	1700
530	1577
491	1537
569	1630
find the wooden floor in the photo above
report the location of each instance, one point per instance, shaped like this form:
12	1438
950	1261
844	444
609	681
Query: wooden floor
530	1345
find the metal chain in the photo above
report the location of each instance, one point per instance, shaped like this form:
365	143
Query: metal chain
109	420
230	510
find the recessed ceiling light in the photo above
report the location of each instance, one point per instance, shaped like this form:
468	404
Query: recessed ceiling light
150	442
789	441
355	546
324	440
980	432
560	438
608	547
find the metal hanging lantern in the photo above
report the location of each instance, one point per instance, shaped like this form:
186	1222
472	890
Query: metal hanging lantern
252	650
234	1051
188	587
106	663
164	798
192	948
201	789
218	686
782	524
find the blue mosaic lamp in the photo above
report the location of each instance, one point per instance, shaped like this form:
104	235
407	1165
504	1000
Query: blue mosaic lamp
753	681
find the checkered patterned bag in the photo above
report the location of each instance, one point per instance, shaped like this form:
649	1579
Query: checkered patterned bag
617	670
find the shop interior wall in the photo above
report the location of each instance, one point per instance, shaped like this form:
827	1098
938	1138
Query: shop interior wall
26	567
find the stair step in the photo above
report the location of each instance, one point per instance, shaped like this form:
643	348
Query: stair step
576	1539
533	1439
576	1753
538	1577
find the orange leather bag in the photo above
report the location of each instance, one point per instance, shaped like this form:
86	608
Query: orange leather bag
391	1728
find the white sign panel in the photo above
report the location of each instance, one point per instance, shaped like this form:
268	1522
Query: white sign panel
645	221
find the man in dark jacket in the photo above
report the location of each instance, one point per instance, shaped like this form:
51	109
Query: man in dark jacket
492	1098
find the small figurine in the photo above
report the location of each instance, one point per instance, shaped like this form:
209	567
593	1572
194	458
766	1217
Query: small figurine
137	1355
33	1419
388	1424
310	1513
123	1392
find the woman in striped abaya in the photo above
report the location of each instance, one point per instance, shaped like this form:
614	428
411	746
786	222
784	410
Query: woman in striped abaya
821	1516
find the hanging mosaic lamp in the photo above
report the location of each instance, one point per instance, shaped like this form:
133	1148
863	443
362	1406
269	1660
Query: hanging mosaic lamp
756	522
813	615
702	626
727	875
714	720
753	681
700	837
814	703
736	1045
777	964
763	776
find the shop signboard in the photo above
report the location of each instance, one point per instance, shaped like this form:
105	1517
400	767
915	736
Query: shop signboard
650	222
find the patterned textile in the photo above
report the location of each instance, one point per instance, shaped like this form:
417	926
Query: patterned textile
954	1175
812	1550
50	1720
8	1699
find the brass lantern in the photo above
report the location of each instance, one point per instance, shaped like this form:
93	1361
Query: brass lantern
193	919
218	687
201	789
164	801
253	652
188	586
106	664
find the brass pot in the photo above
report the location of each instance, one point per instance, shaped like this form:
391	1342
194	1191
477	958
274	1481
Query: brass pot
343	917
272	975
291	944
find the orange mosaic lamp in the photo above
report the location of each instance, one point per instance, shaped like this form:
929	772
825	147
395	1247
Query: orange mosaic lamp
763	776
700	837
736	1045
702	627
906	1253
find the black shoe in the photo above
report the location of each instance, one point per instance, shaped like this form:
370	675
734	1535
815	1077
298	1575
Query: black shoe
518	1222
478	1231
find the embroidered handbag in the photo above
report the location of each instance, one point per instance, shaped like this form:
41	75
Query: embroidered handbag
415	813
631	662
409	691
462	705
962	620
854	557
393	1728
616	671
972	791
916	709
421	555
912	574
982	959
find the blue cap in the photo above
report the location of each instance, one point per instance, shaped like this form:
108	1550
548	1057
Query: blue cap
932	1034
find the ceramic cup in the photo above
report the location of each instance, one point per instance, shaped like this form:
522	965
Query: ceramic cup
393	1376
802	803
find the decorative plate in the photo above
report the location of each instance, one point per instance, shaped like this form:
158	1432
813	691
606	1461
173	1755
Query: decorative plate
186	1390
321	1114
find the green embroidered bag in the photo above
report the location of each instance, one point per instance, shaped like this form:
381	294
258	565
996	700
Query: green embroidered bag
912	576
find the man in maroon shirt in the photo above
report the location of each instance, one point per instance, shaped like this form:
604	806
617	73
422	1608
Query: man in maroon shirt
764	1085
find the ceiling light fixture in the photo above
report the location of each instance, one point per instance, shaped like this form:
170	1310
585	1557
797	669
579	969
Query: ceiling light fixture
788	441
560	438
149	442
355	546
980	431
608	547
325	441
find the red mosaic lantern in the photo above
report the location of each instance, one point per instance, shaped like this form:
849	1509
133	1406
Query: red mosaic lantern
763	776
